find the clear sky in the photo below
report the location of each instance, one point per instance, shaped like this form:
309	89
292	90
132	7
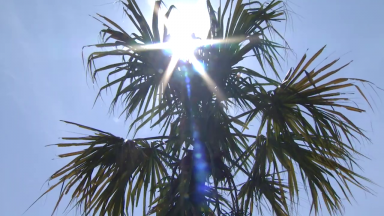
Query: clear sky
43	80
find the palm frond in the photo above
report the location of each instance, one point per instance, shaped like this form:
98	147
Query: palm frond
109	173
140	78
304	126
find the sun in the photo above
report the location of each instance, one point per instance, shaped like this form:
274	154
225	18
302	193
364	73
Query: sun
182	46
185	27
188	31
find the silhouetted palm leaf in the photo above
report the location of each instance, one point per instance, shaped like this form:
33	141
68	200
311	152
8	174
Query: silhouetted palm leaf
302	132
110	172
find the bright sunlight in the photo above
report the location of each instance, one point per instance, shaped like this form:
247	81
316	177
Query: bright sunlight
187	31
182	24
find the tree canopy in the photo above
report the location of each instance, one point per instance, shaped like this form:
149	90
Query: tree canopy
206	160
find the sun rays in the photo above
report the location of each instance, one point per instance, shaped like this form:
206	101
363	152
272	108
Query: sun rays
182	46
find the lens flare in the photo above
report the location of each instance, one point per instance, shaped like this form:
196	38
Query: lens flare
182	45
210	83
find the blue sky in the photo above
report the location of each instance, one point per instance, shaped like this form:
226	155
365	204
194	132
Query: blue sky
43	80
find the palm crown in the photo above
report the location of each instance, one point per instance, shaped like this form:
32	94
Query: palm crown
303	138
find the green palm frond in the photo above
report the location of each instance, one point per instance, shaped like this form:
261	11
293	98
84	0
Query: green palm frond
248	29
289	107
305	129
141	70
110	173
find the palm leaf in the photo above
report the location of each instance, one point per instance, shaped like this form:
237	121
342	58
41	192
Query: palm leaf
104	170
303	125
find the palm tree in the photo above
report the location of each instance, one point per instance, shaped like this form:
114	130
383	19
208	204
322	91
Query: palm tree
303	139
